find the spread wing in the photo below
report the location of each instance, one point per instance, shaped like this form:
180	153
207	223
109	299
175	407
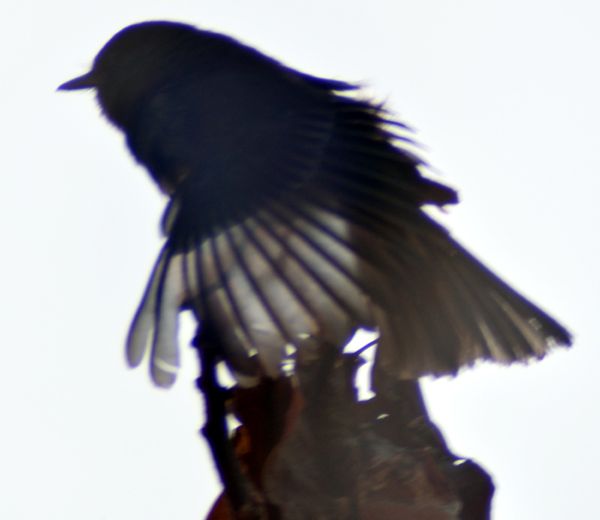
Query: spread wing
296	217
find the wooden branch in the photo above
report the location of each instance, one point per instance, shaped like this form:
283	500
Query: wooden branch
311	450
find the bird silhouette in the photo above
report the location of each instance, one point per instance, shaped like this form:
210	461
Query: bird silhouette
295	217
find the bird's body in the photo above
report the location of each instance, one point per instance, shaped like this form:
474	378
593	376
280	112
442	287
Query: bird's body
295	217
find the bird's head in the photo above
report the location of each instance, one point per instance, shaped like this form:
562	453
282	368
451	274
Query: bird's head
135	61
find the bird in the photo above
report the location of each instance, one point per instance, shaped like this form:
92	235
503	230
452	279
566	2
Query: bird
297	213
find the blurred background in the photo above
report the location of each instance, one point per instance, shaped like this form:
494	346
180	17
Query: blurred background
503	94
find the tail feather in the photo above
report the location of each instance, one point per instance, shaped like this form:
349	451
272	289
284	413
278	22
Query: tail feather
455	312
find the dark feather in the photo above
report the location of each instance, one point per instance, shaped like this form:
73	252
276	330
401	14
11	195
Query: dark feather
295	215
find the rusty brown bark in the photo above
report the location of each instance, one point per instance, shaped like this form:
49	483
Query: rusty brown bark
310	450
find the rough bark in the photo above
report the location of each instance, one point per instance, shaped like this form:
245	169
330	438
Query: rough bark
310	450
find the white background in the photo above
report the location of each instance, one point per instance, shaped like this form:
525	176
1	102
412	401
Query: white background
504	94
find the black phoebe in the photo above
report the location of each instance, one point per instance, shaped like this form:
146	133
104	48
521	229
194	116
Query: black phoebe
294	217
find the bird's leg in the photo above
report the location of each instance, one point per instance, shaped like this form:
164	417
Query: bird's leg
216	432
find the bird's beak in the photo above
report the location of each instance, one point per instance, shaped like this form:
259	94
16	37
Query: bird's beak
79	83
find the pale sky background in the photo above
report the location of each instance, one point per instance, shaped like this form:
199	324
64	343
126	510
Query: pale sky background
504	94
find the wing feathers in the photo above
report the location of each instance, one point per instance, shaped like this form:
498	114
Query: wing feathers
313	227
